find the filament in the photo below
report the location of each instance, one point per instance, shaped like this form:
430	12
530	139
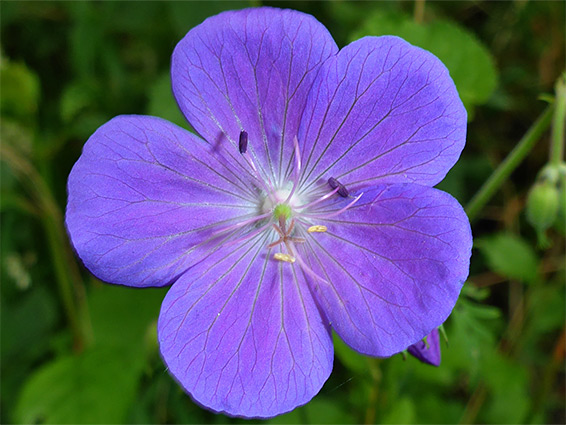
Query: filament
335	213
248	236
242	223
304	266
297	168
310	204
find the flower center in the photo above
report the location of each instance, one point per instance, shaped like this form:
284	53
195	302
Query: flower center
283	211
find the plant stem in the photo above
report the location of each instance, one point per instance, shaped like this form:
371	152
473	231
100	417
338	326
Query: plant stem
67	274
419	11
509	164
372	399
558	122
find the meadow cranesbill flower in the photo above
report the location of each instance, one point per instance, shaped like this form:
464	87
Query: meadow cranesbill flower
305	205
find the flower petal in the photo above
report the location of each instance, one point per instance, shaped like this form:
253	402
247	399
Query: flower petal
382	111
146	196
243	335
430	353
395	263
250	70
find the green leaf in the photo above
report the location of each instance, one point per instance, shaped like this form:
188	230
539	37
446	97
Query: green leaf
510	256
468	60
94	387
77	97
99	385
122	316
472	334
20	91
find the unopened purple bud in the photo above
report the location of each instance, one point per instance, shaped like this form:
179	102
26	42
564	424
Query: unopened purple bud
429	351
243	143
342	191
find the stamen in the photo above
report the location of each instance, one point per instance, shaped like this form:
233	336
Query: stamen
284	257
317	229
243	143
310	204
335	213
342	191
305	267
241	223
248	236
297	168
243	148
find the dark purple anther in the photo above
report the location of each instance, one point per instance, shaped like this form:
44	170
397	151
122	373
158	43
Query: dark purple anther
243	144
342	191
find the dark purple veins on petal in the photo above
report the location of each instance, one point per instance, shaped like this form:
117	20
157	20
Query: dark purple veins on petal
342	191
243	142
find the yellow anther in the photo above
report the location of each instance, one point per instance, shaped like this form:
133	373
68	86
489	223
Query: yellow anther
284	257
317	229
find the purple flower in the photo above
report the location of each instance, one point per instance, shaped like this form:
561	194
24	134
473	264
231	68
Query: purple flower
305	205
429	351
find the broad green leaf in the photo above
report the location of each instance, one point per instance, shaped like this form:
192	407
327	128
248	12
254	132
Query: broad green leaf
19	88
122	316
97	386
468	60
510	255
78	96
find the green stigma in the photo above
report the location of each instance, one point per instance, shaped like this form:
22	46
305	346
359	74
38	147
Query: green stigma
282	210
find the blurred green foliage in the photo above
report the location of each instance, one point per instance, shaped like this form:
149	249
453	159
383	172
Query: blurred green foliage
74	350
469	62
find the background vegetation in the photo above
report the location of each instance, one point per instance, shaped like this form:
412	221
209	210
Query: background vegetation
74	350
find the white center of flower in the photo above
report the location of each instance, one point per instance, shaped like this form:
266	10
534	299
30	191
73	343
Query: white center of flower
280	196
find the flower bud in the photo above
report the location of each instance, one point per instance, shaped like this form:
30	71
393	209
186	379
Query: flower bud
427	350
543	203
560	223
